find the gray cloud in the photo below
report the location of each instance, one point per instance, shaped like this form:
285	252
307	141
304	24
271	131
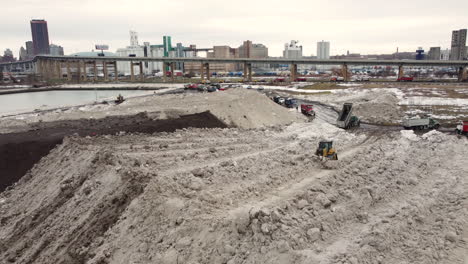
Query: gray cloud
359	26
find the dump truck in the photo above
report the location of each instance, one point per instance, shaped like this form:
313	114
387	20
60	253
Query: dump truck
462	128
420	123
346	119
308	110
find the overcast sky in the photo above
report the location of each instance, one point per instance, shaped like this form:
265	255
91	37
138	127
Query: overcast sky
360	26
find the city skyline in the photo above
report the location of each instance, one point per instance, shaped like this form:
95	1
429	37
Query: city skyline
89	23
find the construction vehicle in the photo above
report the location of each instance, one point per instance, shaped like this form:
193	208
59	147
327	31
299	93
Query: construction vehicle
120	99
308	110
420	123
325	150
346	119
290	103
462	128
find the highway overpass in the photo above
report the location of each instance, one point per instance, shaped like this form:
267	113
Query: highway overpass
51	66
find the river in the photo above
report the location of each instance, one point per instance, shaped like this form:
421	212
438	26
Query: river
23	102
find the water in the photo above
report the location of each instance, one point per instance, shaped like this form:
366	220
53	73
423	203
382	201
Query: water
24	102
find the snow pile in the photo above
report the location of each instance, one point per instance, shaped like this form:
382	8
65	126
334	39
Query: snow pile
240	196
409	134
378	108
437	137
249	109
419	100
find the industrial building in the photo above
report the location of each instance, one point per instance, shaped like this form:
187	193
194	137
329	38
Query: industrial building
434	53
137	50
323	50
222	52
458	51
147	50
40	37
420	54
292	50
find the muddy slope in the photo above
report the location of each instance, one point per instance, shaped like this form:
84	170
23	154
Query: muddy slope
20	151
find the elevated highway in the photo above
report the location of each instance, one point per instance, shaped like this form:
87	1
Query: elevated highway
51	66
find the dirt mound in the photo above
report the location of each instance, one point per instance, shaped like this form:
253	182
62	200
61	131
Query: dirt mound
240	196
379	109
236	107
20	151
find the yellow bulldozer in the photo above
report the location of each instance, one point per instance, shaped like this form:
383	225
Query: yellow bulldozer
325	150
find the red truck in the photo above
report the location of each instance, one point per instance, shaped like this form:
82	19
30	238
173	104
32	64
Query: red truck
301	79
405	79
308	110
462	128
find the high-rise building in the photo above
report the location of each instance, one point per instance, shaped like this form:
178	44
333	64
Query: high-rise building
56	50
167	43
22	54
323	50
458	51
40	36
30	49
133	38
292	50
8	56
434	53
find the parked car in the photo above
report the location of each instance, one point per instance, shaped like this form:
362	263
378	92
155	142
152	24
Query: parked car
405	79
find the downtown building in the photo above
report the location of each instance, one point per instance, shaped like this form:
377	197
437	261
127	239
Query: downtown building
458	51
152	51
323	50
40	37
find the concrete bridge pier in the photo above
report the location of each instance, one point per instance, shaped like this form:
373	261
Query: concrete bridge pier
172	71
95	71
202	72
105	71
344	72
463	74
78	67
208	73
142	75
246	73
293	75
164	72
132	71
401	71
58	69
116	72
85	74
69	74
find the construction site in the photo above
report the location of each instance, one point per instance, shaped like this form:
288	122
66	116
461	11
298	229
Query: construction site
245	174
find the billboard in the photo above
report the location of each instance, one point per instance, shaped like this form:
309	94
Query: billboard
102	47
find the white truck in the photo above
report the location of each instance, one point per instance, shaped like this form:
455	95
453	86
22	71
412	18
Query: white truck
420	123
346	119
